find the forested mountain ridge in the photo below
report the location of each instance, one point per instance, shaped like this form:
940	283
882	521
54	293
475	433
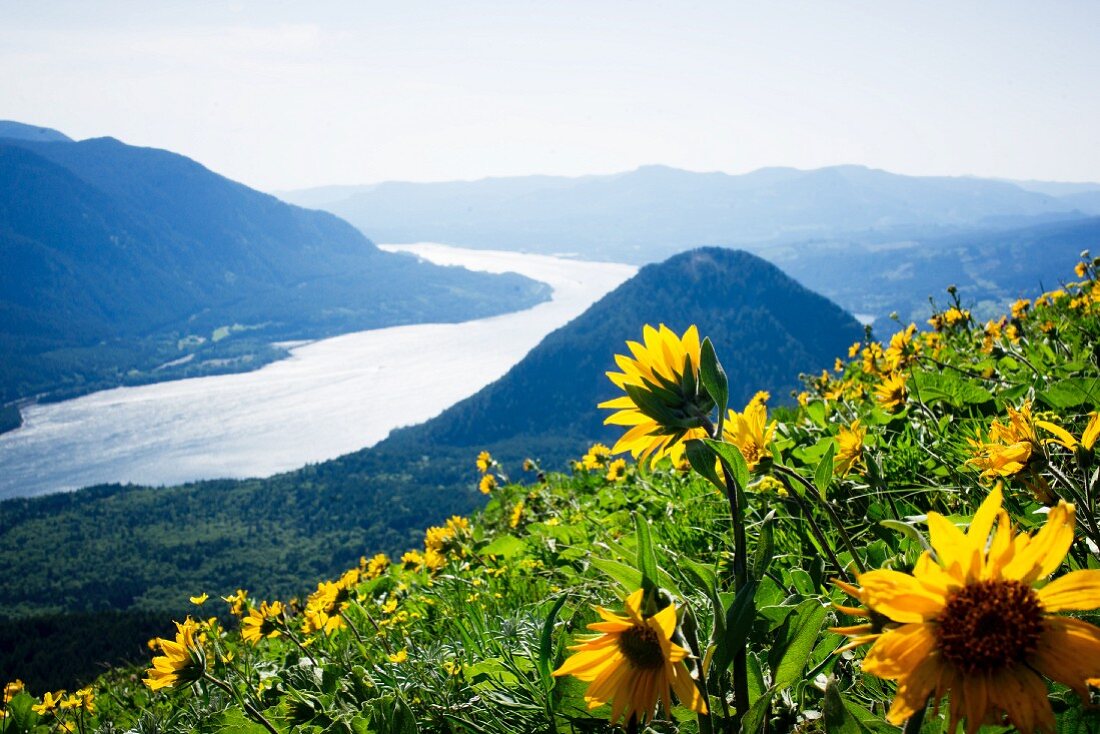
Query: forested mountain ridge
116	260
735	296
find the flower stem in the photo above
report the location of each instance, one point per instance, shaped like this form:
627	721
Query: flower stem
844	536
689	627
249	708
740	578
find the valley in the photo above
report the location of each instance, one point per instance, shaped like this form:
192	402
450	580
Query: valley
329	397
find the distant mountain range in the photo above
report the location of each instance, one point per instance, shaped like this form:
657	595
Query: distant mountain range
647	214
875	242
991	268
116	260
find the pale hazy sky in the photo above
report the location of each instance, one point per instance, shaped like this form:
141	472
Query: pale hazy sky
296	94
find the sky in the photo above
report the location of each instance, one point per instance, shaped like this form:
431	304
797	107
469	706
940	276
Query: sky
288	95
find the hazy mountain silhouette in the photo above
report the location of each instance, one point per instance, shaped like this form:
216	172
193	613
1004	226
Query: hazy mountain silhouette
20	131
654	211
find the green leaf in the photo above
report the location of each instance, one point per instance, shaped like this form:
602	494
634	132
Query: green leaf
868	721
20	717
234	721
714	380
815	411
546	639
702	460
739	619
506	546
949	387
823	475
755	717
650	405
731	457
837	718
765	547
647	559
907	530
804	625
392	715
629	578
1072	392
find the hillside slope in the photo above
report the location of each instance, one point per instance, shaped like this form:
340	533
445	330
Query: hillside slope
115	260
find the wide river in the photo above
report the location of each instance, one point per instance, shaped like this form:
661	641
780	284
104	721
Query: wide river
328	398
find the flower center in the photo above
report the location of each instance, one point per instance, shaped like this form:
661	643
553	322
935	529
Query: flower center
990	625
639	645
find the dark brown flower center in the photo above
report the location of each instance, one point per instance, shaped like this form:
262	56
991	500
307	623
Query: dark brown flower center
639	645
990	625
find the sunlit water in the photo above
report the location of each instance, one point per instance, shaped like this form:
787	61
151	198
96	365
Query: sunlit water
328	398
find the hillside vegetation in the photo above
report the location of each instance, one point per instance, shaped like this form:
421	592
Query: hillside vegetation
925	515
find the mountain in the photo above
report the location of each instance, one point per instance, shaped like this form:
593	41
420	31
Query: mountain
768	322
654	211
118	260
991	268
143	548
20	131
1058	188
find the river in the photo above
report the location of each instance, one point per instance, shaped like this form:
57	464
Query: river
328	398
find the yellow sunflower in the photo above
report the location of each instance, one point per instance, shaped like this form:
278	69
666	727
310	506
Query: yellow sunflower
974	622
487	484
665	404
750	431
849	448
1009	447
376	566
903	349
50	701
1088	436
262	622
181	660
891	392
633	663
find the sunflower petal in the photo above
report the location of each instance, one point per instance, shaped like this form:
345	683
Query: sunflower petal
1069	652
1046	549
899	596
1075	592
899	651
